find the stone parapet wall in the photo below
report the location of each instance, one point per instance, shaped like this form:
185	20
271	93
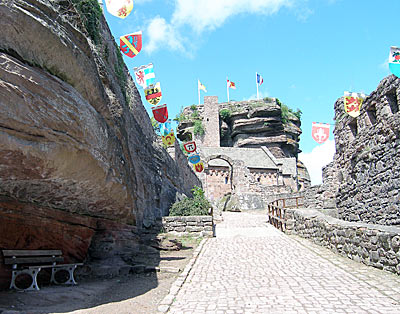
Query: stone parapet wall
324	195
367	157
197	226
373	245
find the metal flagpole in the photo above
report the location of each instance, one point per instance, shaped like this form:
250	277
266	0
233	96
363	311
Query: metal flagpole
257	87
227	88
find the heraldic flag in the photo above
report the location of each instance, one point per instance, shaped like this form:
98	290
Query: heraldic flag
166	128
199	167
145	75
169	139
201	86
153	94
131	44
230	84
352	103
160	113
320	132
394	61
119	8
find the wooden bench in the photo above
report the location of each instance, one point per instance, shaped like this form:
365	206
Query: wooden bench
32	261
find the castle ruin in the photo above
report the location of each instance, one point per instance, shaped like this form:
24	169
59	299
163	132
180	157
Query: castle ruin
249	151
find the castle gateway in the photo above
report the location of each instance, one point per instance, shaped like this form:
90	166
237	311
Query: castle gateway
249	149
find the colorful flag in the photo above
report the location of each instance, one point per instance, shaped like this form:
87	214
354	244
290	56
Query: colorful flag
352	103
190	147
320	132
131	44
194	158
166	128
119	8
231	84
201	86
394	61
169	139
259	79
160	113
153	94
199	167
145	75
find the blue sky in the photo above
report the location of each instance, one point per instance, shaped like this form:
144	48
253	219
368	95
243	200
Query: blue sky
308	52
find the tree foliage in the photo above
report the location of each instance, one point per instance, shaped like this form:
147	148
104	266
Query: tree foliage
197	205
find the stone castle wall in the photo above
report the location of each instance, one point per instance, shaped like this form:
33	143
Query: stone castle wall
196	226
373	245
367	157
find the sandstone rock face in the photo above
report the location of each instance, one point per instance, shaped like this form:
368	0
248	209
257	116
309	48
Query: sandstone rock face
80	166
367	157
253	123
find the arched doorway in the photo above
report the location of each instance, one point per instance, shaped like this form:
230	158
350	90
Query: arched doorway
218	176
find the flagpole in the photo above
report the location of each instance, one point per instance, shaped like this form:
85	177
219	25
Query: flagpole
227	88
198	89
257	87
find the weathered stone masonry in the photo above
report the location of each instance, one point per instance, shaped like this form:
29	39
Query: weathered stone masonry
367	157
197	226
373	245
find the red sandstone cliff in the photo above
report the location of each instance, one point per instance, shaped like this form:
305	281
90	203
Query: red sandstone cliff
79	165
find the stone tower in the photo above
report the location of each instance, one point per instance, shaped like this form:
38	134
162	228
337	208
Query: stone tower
211	121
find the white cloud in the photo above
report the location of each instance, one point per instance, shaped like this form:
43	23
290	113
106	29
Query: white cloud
210	14
385	65
319	157
162	34
206	15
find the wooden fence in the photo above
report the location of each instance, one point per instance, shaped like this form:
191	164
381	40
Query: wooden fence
276	210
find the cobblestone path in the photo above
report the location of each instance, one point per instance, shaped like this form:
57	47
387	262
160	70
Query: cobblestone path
250	267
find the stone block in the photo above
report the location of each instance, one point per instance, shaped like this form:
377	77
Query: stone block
374	256
180	229
194	229
207	234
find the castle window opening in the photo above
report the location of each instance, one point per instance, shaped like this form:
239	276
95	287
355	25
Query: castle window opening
371	112
226	180
391	98
353	128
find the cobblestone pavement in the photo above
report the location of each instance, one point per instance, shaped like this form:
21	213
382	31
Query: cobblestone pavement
250	267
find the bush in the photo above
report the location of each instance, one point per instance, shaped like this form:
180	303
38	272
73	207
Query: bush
225	114
198	128
180	116
195	114
90	14
197	205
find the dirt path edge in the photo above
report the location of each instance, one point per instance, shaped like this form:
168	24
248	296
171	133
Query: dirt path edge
165	304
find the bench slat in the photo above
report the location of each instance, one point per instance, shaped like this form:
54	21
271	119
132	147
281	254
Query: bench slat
32	260
7	253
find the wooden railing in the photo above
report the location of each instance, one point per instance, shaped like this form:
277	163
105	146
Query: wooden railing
277	208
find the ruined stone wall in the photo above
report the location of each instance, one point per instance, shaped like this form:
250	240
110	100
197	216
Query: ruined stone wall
265	176
211	122
196	226
373	245
218	182
323	196
368	159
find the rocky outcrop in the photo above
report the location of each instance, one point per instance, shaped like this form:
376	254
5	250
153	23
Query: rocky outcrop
80	166
253	123
367	157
